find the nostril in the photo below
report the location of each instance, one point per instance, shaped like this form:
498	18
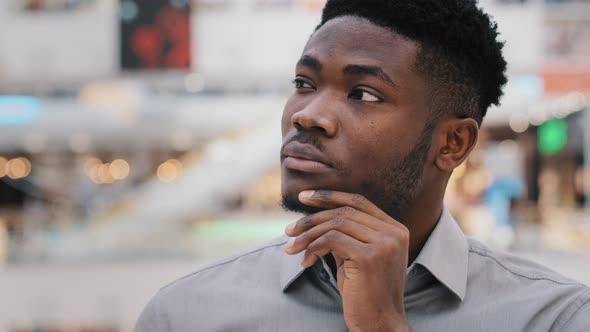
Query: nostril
320	129
307	120
301	127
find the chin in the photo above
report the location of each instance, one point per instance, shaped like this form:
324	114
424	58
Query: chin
291	203
294	182
290	195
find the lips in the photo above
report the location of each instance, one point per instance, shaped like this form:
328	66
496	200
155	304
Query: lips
304	158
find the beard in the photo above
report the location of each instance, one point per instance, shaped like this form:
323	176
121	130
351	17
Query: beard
393	188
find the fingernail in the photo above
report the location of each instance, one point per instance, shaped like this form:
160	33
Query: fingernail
290	228
306	194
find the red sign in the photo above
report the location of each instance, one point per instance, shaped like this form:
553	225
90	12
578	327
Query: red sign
561	79
155	34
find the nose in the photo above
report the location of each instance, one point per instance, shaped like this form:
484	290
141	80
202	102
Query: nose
317	115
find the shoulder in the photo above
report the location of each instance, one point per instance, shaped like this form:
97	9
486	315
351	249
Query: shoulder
234	273
518	267
259	259
223	284
516	279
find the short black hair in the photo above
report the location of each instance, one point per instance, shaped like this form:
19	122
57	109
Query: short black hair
460	54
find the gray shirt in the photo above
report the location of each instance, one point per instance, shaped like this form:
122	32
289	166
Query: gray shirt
455	284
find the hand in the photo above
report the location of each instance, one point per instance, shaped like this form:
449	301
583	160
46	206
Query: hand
371	252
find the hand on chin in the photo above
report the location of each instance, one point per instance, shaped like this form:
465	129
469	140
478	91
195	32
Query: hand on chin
365	241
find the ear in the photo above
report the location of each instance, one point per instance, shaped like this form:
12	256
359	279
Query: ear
456	139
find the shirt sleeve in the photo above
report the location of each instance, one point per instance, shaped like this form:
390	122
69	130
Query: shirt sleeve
149	320
580	320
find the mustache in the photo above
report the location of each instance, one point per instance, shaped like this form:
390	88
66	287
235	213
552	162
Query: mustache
304	138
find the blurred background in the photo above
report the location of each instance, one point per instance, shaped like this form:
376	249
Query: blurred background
139	140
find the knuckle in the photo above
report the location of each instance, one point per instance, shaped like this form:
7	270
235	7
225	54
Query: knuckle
318	244
405	230
331	235
404	234
313	247
347	211
358	199
390	244
337	223
303	237
305	222
400	233
341	211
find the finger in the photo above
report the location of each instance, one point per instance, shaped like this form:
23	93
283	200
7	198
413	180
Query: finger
346	212
355	230
337	243
329	199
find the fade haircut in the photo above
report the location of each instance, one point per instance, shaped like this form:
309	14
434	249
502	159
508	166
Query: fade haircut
459	54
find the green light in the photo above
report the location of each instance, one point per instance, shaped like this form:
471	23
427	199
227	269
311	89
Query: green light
552	136
240	230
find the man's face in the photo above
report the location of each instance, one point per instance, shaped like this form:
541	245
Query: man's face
357	119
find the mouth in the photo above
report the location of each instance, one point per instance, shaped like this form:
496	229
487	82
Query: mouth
304	158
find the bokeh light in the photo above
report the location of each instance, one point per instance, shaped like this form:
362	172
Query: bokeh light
18	168
104	174
90	165
169	170
3	162
119	169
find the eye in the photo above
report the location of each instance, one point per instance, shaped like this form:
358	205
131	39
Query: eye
363	95
301	84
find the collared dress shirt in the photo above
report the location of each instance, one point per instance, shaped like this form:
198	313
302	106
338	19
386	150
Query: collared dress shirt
455	284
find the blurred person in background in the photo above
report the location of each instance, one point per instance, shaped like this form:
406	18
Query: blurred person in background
389	98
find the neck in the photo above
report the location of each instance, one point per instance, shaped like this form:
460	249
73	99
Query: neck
421	219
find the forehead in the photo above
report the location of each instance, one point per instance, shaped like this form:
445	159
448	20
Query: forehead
350	39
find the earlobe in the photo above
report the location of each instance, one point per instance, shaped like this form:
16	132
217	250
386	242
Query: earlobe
457	138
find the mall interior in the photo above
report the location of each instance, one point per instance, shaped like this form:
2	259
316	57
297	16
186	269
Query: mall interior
139	140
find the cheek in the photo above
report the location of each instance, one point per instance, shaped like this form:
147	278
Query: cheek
368	149
288	112
378	145
292	106
284	122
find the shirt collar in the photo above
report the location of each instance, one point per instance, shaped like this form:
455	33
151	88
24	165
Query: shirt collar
291	267
444	255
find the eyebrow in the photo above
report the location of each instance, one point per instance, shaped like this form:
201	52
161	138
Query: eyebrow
309	61
368	70
316	65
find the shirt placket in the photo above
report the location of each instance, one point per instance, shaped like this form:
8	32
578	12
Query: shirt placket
325	274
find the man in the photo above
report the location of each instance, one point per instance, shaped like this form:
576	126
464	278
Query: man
389	96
